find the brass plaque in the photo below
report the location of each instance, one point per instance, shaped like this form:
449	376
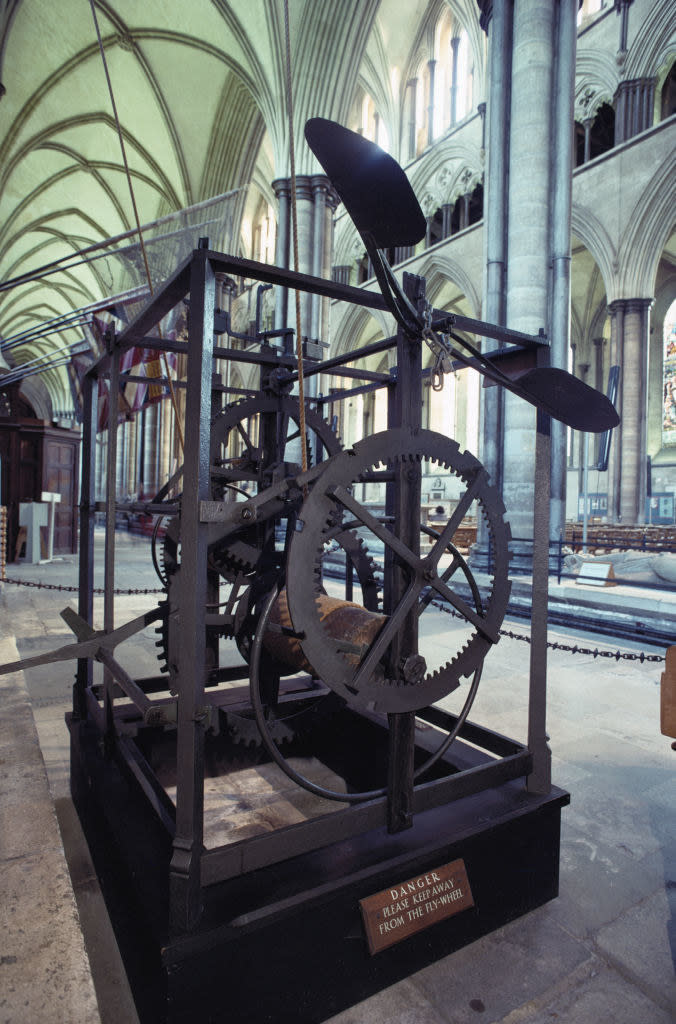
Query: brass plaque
409	907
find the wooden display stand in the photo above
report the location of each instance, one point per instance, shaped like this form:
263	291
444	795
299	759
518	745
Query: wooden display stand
43	458
287	942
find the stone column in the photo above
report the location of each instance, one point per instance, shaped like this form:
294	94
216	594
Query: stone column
455	43
315	202
431	65
579	437
325	202
561	174
342	273
131	456
167	459
588	124
634	107
464	210
528	242
306	241
282	189
497	21
412	107
151	450
446	214
598	382
630	327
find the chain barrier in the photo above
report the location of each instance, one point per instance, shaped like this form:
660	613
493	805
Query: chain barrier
594	652
75	590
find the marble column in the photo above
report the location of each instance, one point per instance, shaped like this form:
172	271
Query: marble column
630	331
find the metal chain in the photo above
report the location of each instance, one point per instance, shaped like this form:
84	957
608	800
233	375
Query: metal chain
76	590
570	648
510	634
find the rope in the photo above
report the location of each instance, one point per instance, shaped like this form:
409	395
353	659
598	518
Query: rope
294	221
137	219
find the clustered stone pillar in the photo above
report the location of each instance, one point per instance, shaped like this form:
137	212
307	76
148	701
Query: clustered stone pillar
634	107
316	201
325	201
630	332
282	189
412	108
455	43
528	241
527	227
431	67
151	416
498	24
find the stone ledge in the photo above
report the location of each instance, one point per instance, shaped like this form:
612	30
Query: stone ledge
44	968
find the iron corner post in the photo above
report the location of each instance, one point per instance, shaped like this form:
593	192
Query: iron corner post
83	677
540	778
185	871
405	411
111	510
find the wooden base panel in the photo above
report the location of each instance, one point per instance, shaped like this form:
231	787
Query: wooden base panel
286	943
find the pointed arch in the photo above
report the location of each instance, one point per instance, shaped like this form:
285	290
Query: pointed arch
596	239
650	226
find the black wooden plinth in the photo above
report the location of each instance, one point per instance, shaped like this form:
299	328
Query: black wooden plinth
286	943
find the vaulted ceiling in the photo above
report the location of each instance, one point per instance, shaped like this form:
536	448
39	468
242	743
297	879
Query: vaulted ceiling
200	91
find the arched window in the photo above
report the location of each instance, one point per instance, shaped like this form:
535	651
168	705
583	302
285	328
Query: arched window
669	378
364	269
668	94
372	125
595	136
440	93
476	205
465	78
437	227
454	78
588	8
263	234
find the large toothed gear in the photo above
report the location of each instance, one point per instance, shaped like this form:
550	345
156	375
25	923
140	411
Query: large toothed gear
243	462
237	451
368	677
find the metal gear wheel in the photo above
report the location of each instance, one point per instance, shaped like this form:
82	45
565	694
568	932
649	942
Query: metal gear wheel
240	454
241	459
361	676
286	729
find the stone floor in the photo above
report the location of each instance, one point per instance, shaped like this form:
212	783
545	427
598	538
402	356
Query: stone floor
603	952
